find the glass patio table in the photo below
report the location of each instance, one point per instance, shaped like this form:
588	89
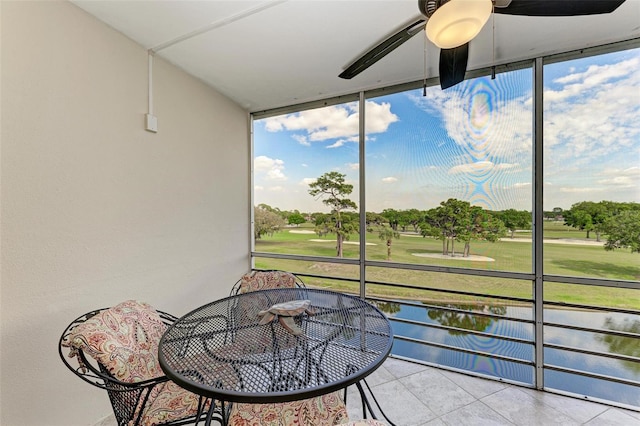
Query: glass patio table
232	351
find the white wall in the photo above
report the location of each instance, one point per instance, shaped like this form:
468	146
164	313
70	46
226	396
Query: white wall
94	209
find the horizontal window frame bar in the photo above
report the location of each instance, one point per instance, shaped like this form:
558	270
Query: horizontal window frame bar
461	311
634	285
592	307
593	353
601	282
464	350
458	292
604	377
463	330
592	330
527	276
322	259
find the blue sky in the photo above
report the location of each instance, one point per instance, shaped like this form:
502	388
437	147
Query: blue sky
471	142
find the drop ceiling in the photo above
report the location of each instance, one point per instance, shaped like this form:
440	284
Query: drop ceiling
268	54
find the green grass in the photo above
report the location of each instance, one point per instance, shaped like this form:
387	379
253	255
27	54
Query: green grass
560	259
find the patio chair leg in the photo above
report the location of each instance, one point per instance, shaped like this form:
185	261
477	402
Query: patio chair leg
366	405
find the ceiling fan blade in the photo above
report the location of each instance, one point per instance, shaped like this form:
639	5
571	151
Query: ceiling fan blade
558	7
382	49
453	65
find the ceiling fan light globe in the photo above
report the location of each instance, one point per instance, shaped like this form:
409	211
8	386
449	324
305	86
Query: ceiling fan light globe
457	22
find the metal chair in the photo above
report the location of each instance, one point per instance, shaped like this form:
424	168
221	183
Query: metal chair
327	409
266	279
269	279
116	350
323	410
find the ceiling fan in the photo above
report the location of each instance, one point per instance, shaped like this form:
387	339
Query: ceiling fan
451	24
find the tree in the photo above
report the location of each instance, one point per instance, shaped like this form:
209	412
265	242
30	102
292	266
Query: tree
332	187
457	220
515	219
623	231
409	217
266	222
589	216
483	226
296	219
387	234
448	223
392	217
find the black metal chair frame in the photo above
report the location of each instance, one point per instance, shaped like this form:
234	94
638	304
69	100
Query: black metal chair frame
126	397
236	287
367	409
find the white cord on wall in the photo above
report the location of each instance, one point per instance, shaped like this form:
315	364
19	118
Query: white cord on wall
151	121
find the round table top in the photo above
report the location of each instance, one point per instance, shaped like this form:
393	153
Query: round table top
221	350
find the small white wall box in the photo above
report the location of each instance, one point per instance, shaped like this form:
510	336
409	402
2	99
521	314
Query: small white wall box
151	123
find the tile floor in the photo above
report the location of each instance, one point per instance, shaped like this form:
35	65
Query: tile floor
416	395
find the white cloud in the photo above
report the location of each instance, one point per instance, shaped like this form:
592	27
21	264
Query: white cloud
258	188
307	181
334	122
589	114
390	179
302	140
573	190
353	166
276	189
270	167
472	168
477	115
522	184
624	181
337	144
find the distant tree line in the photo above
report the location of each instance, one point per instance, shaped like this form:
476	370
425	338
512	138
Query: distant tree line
452	221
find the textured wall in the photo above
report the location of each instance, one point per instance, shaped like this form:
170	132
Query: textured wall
94	209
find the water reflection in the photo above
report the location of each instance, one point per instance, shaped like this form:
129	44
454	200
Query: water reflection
629	346
469	317
388	308
466	320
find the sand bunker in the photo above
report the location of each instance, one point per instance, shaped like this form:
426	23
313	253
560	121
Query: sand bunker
316	240
557	241
455	257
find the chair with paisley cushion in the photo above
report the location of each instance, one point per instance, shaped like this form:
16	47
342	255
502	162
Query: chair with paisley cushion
265	280
325	410
116	349
322	410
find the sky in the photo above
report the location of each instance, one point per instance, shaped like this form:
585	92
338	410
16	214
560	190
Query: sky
471	142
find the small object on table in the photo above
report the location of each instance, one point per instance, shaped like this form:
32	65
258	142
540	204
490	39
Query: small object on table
285	313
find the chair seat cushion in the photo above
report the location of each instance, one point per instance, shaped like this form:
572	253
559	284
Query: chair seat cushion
124	339
322	410
168	402
264	280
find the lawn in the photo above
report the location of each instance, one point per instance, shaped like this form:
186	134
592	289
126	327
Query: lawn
559	259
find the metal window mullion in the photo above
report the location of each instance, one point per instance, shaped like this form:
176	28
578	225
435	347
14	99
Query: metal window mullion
363	214
538	294
252	219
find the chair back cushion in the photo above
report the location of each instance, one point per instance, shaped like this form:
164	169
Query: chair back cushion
265	280
323	410
124	339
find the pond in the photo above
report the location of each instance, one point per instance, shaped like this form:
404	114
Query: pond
515	322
